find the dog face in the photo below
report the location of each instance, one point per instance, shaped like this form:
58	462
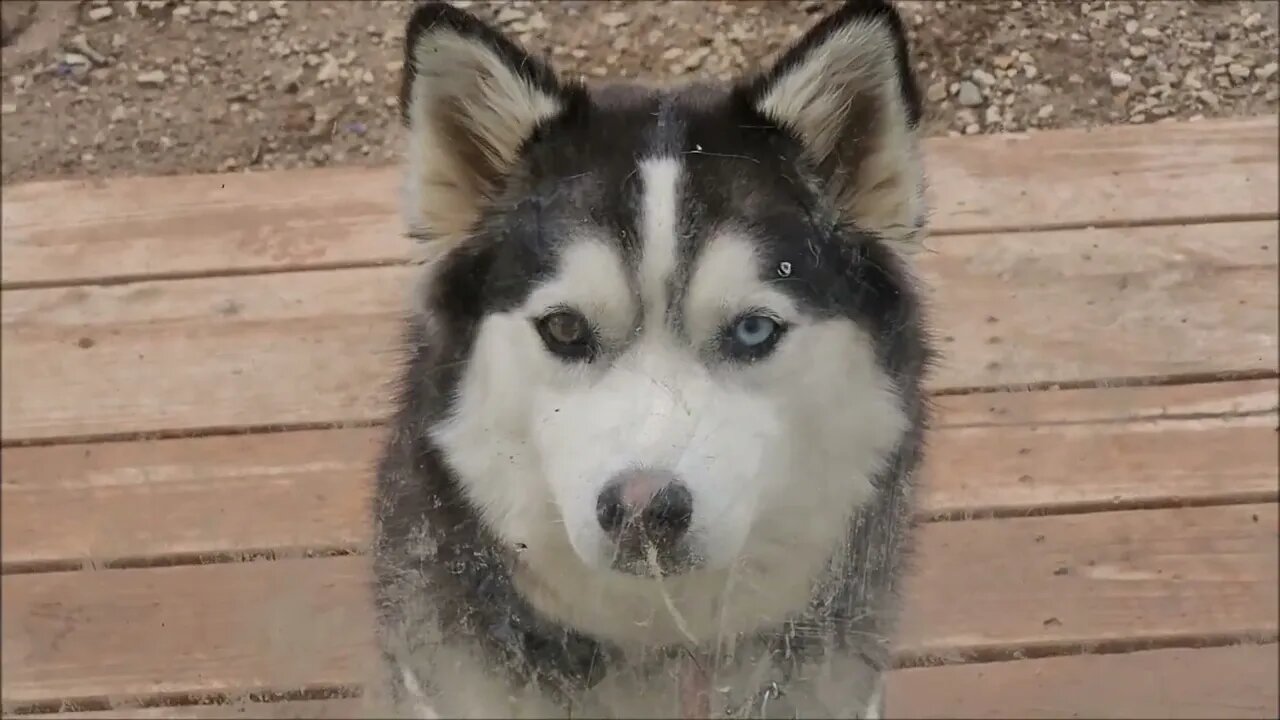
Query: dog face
672	328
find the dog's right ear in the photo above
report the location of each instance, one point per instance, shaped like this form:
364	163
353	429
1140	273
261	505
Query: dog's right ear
470	99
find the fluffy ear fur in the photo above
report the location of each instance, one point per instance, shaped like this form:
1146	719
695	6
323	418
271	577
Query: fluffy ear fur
470	99
846	91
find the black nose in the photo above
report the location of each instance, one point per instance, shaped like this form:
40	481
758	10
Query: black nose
625	509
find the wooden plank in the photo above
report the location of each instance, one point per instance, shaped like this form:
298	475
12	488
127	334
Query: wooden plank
1073	305
72	231
1227	682
336	709
319	347
80	231
211	353
1234	682
82	505
134	502
1166	575
1107	404
1168	172
1075	581
976	472
188	630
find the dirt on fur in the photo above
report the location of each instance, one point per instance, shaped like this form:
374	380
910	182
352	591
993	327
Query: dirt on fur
154	87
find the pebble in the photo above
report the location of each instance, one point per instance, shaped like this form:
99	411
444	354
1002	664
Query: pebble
969	95
614	20
982	77
8	108
329	71
937	92
152	78
1266	71
1120	80
99	14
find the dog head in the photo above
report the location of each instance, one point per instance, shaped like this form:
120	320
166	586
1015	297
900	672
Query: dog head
669	328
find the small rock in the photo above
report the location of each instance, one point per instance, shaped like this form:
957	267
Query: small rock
1238	71
152	78
76	59
8	109
118	114
1046	111
1208	97
972	129
614	20
1130	27
982	77
509	15
1031	71
329	71
1137	52
80	44
1120	80
969	95
99	14
992	116
225	7
937	92
1266	71
1149	33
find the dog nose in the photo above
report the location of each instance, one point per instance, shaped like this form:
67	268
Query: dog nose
652	504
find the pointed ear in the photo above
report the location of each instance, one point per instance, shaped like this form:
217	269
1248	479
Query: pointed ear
846	92
470	99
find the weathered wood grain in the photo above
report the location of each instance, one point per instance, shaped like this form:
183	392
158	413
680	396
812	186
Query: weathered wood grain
1232	683
143	502
1130	576
92	231
320	347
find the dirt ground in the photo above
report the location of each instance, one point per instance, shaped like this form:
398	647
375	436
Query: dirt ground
145	87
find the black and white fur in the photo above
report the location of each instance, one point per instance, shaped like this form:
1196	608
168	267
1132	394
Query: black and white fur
661	218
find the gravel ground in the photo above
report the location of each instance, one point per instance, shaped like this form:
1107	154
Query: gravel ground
175	86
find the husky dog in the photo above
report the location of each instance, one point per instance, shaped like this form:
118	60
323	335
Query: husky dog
662	401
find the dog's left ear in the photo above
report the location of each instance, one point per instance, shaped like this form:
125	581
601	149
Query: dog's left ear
846	92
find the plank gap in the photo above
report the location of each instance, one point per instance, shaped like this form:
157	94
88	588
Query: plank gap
178	559
1122	381
1084	508
1262	412
1091	384
192	699
264	555
1118	646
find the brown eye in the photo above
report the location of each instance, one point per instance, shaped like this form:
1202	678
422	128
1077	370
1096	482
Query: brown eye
568	334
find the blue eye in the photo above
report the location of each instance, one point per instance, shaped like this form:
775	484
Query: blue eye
754	330
751	337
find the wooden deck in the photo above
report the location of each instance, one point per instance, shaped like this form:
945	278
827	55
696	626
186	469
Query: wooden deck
194	372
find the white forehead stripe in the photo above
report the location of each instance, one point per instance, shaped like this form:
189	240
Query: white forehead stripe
659	230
